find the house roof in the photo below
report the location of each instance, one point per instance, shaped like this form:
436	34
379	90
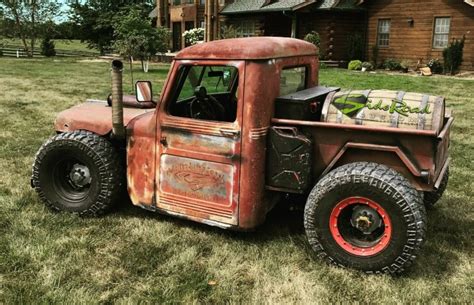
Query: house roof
260	6
252	48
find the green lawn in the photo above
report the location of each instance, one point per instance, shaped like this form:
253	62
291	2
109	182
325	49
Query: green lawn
60	44
132	255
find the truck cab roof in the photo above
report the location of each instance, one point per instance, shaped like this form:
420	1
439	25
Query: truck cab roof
252	48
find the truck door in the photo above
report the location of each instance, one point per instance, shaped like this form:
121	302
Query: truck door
199	144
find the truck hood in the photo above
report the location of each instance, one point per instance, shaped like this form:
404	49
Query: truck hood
95	116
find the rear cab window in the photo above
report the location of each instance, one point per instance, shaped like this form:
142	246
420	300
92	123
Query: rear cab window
293	79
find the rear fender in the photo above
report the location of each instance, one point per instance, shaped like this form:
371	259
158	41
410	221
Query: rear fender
392	156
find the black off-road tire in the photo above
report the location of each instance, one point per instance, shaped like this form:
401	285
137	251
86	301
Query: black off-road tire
393	192
431	198
83	147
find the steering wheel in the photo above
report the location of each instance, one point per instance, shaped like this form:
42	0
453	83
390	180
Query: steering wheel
205	107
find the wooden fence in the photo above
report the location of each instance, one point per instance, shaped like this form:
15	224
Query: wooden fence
16	51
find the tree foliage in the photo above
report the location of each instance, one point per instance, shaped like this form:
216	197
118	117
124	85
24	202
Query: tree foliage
26	18
136	37
48	47
96	19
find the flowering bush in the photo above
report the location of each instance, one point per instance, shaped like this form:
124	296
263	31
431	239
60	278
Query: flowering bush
435	65
193	36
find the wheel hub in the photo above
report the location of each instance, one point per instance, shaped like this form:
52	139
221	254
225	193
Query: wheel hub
80	176
365	219
360	226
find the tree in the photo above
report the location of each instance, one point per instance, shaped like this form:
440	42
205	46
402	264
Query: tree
96	19
28	17
136	37
47	47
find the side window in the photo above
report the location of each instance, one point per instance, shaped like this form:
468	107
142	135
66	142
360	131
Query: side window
292	80
206	93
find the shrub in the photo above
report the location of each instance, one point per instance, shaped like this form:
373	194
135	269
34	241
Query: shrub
368	66
47	47
452	55
392	64
355	46
375	55
314	38
322	65
435	65
193	36
229	31
404	66
355	65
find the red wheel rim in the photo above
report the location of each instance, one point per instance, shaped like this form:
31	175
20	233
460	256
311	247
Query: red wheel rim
377	246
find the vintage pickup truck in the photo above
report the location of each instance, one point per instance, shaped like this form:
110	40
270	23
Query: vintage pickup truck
240	124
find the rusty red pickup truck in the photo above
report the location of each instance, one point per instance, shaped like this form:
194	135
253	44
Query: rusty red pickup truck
239	125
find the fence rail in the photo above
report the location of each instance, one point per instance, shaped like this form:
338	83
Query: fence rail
16	51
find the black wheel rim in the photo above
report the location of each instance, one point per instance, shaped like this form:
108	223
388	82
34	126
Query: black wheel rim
66	186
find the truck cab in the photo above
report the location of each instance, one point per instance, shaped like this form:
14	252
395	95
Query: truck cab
239	124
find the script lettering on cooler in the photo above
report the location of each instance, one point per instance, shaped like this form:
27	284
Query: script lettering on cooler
351	104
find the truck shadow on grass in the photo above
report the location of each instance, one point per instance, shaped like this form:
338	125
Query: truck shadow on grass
441	254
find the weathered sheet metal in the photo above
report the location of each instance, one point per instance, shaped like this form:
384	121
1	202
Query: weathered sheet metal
141	166
93	116
198	162
253	48
409	151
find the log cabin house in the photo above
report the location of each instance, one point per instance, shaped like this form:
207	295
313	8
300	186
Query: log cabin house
413	31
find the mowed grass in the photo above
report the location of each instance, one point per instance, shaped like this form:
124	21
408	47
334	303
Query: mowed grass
60	44
132	255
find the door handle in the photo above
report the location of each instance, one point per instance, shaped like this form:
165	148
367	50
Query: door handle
163	141
229	132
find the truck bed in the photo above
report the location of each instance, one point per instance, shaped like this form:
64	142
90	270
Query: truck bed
410	152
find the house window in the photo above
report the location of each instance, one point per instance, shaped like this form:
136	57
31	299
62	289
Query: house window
383	33
442	26
202	2
246	29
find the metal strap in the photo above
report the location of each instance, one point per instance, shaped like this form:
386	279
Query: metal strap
422	116
395	115
359	119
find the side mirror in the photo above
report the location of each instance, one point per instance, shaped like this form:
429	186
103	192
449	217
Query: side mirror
144	92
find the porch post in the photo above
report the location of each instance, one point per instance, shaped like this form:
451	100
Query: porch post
293	26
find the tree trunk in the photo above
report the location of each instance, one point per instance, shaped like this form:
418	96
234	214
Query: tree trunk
33	30
145	64
20	28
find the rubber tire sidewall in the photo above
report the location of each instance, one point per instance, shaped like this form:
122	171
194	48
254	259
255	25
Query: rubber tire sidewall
104	164
404	216
69	150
